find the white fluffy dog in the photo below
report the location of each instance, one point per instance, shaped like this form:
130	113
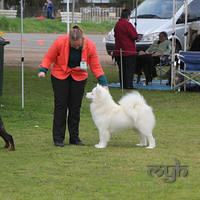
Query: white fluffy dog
132	112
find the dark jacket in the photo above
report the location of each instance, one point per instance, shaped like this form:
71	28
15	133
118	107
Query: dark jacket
50	7
125	36
196	44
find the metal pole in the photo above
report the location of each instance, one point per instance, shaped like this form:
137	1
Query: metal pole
121	67
73	8
2	4
136	4
186	19
67	16
22	53
186	31
173	47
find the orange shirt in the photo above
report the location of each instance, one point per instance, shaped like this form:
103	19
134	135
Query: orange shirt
58	55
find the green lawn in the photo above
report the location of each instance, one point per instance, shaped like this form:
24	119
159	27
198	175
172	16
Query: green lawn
38	170
32	25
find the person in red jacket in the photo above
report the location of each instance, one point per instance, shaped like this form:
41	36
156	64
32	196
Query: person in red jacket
125	36
70	54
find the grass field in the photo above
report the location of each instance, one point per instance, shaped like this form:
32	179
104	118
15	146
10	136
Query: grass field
32	25
38	170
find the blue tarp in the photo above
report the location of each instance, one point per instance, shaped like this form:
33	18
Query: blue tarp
154	86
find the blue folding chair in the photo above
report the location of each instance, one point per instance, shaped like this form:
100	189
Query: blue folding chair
190	73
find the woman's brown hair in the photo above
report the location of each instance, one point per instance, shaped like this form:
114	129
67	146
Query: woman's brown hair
75	33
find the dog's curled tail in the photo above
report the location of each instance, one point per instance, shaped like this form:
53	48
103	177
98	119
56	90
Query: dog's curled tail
132	99
134	103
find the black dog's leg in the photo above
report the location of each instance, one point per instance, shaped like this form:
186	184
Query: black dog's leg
7	137
2	134
5	140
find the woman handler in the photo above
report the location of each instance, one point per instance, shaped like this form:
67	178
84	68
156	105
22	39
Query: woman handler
70	55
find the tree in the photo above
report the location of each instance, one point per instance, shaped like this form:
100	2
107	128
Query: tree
9	3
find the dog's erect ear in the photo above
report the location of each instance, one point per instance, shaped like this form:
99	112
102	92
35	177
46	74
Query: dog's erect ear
99	86
98	90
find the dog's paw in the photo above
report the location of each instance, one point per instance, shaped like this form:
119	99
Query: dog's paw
141	145
11	149
100	146
151	147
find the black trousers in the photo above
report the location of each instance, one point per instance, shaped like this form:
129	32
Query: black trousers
146	63
68	95
128	67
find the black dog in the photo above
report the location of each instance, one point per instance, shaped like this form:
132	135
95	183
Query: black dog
7	138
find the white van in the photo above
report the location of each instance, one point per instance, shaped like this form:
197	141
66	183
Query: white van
154	16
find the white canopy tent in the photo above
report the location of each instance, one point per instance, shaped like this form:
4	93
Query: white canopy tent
22	53
136	3
173	65
186	22
173	33
173	44
22	45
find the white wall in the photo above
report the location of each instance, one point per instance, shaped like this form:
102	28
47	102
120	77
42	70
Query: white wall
97	1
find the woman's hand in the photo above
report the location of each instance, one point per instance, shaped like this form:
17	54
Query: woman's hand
141	53
41	75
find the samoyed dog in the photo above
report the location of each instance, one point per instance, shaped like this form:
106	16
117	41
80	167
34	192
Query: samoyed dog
132	112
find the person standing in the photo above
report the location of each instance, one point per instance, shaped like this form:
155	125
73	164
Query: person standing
125	36
70	55
49	8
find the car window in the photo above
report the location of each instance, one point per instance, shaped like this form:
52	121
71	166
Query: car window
157	9
193	12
